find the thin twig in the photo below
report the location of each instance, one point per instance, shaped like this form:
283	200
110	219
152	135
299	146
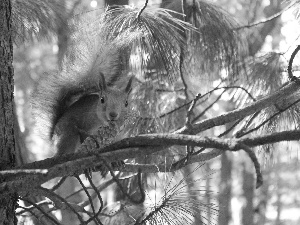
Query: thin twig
202	96
100	199
243	112
40	209
239	87
59	183
259	178
58	200
185	159
240	133
290	66
190	110
183	106
142	199
27	208
142	9
96	194
276	15
89	197
208	107
20	172
270	118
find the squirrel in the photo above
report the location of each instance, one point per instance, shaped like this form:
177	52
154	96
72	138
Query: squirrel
75	113
90	90
83	117
85	94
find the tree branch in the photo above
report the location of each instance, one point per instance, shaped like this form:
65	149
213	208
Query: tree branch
242	113
290	66
276	15
121	150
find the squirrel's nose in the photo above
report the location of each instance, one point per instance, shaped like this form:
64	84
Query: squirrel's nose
113	115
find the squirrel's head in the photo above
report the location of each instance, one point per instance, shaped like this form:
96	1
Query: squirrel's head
113	102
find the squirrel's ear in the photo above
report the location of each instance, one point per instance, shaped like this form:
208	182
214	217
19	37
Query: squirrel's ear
102	82
128	87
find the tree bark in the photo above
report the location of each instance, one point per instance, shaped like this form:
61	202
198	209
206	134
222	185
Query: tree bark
263	197
225	189
248	189
279	191
7	140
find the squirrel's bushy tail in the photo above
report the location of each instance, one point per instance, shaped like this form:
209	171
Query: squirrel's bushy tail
80	75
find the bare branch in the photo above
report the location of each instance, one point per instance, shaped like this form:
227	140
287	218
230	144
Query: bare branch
276	15
20	172
96	194
59	183
267	120
142	9
188	103
190	110
101	202
208	107
128	148
139	201
259	178
242	113
61	203
41	210
88	195
290	66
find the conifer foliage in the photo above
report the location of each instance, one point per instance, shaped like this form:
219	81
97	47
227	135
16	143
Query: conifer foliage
184	57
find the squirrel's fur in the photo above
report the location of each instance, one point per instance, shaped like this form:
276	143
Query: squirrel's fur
84	116
91	67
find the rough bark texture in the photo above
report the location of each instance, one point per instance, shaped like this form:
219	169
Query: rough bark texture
7	140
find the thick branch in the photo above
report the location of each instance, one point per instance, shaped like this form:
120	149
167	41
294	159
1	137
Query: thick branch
242	113
121	150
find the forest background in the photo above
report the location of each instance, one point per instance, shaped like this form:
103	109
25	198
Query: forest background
271	30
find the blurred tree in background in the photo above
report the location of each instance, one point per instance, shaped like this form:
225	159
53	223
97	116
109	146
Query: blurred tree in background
223	82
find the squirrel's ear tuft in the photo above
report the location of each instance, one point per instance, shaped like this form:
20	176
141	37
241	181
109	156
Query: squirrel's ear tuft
102	82
128	87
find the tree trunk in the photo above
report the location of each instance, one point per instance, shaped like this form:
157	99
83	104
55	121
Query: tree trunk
248	189
263	198
208	197
278	194
225	189
7	140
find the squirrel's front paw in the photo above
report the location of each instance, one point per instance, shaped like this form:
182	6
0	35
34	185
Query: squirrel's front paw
89	144
106	134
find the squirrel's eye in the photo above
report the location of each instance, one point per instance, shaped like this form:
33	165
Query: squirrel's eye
102	100
126	103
